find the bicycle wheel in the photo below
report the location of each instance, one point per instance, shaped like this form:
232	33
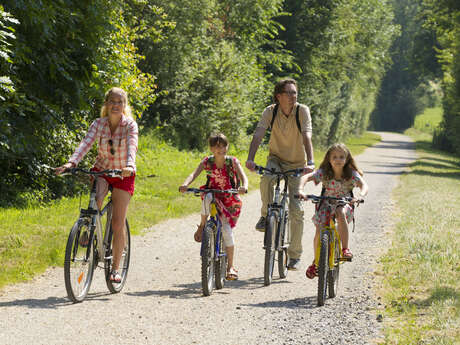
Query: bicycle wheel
323	267
333	275
282	251
78	262
124	261
221	264
270	231
208	259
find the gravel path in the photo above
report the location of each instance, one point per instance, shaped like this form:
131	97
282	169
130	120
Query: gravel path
162	301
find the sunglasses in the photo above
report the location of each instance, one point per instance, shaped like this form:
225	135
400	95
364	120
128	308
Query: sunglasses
112	150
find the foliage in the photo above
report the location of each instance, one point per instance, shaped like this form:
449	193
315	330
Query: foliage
211	69
64	56
191	67
340	47
444	18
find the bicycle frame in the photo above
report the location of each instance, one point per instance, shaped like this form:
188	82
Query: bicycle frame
215	219
331	229
279	208
95	217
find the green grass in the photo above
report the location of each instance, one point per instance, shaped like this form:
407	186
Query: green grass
34	238
428	120
421	270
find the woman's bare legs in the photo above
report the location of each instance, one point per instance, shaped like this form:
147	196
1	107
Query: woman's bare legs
120	200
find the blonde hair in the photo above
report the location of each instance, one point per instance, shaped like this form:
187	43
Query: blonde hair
124	96
348	168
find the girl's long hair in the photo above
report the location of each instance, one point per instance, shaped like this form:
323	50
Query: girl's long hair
348	168
124	96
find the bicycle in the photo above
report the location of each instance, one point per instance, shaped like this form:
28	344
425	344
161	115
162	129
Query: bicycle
213	255
277	234
328	253
88	244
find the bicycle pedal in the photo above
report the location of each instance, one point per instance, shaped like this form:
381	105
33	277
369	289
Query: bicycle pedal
345	259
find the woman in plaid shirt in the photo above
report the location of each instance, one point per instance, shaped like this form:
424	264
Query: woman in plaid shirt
116	135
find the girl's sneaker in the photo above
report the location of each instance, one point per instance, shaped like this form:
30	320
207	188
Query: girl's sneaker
347	254
311	271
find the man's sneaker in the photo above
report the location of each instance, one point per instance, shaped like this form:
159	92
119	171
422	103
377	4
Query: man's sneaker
293	264
260	226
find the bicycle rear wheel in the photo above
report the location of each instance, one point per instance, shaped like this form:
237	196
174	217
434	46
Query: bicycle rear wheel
333	275
124	261
283	257
221	264
323	267
208	259
270	231
79	261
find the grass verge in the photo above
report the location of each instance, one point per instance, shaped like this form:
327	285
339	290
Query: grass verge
34	238
421	270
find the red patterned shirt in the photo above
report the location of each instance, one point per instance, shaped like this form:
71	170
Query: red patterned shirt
115	151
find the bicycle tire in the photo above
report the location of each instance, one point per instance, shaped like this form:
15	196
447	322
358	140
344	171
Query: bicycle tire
323	267
208	259
333	275
221	265
283	257
78	266
269	263
123	268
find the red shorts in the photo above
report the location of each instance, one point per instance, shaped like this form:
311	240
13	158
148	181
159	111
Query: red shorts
125	183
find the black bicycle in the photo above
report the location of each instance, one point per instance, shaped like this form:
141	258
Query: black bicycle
88	244
277	231
213	255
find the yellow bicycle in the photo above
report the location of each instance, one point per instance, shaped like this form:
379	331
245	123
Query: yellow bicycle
328	253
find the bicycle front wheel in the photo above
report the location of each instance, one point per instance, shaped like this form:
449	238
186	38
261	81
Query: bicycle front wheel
323	267
270	232
79	261
123	267
221	264
333	275
208	259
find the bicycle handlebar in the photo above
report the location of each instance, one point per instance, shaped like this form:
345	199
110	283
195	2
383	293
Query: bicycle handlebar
293	172
108	172
210	190
344	199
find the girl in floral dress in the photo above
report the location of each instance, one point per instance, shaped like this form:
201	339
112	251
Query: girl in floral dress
222	172
338	174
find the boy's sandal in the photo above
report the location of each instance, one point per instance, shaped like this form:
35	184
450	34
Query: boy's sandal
347	254
311	271
232	274
115	277
84	240
198	234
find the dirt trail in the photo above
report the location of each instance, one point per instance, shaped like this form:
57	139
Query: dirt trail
162	301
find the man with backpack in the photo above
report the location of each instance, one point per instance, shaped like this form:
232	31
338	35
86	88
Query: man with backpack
290	147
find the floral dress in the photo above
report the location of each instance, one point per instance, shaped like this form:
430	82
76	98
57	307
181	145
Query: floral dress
228	205
336	188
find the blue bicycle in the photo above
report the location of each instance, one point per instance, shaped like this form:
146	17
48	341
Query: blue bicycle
213	255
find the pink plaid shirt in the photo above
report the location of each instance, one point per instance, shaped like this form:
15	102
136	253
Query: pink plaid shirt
124	144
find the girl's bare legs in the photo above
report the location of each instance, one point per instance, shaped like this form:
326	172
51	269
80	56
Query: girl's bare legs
199	232
230	251
120	200
342	226
316	242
